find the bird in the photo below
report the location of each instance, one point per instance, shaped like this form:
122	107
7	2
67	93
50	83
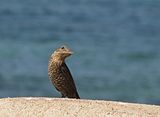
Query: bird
59	73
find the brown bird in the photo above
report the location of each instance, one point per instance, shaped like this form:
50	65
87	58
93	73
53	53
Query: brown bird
59	73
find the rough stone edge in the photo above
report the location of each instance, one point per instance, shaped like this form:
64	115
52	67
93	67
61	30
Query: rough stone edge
44	106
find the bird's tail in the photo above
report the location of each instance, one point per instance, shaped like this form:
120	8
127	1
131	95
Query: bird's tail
77	96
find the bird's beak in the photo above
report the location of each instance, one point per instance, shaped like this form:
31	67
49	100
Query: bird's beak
70	51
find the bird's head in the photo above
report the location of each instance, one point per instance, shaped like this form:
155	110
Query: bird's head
62	52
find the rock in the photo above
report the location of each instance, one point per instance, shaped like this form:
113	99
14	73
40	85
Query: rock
63	107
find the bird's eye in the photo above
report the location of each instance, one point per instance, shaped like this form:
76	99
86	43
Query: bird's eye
62	47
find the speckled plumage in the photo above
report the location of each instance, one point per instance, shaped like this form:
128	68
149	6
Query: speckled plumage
60	75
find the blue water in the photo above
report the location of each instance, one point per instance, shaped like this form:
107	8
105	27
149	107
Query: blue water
116	47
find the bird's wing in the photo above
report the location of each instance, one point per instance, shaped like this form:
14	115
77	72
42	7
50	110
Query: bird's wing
67	75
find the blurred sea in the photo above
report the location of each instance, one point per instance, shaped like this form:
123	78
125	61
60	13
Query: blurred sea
116	46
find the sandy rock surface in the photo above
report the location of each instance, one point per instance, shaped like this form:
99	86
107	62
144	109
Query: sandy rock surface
58	107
